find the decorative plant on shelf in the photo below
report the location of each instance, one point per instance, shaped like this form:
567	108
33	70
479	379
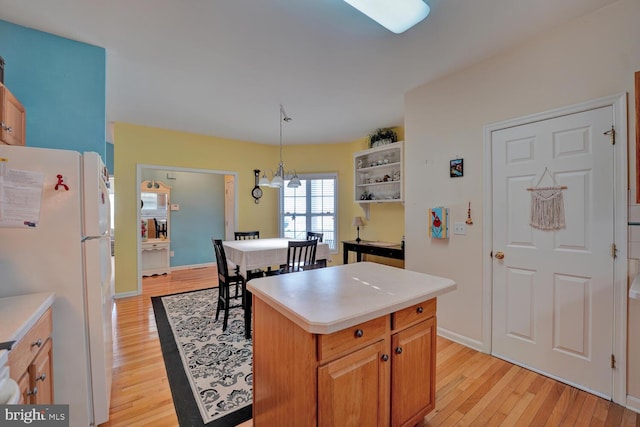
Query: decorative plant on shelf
382	136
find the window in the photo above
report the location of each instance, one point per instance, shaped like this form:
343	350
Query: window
310	207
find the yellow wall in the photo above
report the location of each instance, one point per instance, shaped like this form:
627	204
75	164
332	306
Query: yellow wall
135	145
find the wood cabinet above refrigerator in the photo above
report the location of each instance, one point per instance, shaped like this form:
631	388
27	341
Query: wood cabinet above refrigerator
12	118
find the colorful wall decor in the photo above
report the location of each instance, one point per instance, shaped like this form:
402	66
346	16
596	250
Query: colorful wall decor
456	168
439	222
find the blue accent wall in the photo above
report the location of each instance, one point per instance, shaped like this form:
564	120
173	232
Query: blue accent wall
201	215
109	160
61	84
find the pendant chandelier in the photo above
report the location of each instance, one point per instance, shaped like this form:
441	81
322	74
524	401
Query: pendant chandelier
279	176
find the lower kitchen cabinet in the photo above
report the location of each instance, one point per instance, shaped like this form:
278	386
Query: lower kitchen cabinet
413	364
363	374
378	373
31	363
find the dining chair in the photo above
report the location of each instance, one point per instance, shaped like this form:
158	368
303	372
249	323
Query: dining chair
225	281
246	235
301	254
249	235
315	235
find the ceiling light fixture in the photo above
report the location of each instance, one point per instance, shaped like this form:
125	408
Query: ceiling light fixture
395	15
279	176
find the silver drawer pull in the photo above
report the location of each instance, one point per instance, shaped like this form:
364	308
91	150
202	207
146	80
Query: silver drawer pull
37	343
42	377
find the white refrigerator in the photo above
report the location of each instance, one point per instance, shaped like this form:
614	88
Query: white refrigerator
63	248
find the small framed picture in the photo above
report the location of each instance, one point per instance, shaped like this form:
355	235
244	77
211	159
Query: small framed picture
456	168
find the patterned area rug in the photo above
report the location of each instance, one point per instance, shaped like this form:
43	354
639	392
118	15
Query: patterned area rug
209	371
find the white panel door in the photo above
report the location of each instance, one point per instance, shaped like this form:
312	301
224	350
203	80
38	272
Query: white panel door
553	290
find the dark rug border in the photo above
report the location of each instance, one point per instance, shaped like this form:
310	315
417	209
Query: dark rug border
183	400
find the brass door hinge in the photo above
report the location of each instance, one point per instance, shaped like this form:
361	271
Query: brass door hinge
612	133
613	362
614	250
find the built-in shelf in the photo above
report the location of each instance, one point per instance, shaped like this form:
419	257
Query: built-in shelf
378	174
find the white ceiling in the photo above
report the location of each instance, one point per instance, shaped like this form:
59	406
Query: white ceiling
222	67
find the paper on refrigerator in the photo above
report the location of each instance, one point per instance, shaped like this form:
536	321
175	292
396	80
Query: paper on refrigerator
20	197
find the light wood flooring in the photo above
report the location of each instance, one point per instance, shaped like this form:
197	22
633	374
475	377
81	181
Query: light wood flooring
473	389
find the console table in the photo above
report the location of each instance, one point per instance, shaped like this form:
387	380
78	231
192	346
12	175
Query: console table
383	249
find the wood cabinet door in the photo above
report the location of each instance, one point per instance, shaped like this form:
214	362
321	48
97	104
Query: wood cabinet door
413	357
354	390
12	118
40	371
23	385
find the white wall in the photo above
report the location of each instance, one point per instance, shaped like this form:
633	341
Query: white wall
587	58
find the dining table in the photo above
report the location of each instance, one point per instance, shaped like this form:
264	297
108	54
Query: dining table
252	254
255	254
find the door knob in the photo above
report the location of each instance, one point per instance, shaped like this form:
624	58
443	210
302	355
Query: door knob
499	255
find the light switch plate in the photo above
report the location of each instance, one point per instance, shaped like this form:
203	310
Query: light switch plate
459	228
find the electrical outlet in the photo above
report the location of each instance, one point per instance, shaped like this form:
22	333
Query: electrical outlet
459	228
171	253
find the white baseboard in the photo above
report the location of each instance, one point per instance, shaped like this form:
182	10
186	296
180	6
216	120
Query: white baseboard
633	403
193	266
126	294
461	339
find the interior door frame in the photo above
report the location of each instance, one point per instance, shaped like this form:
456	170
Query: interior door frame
139	168
620	209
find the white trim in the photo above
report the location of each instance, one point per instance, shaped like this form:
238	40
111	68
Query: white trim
139	168
193	266
126	294
633	403
619	104
461	339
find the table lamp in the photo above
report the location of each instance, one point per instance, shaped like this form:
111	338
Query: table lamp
358	222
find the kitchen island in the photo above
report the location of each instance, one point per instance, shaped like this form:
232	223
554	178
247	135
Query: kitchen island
347	345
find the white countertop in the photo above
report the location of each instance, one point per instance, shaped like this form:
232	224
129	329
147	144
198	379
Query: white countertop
19	313
327	300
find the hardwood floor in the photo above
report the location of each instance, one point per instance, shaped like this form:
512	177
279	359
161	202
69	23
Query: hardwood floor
473	389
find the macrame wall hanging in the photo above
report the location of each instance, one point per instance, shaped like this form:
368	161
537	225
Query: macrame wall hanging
547	205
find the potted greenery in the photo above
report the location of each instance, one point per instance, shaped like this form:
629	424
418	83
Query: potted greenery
382	136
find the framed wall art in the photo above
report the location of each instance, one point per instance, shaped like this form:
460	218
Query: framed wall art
439	222
456	168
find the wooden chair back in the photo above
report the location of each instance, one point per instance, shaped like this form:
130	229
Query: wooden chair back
314	235
301	253
246	235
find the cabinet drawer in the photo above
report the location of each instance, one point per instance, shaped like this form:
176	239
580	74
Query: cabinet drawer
155	246
414	314
349	339
26	349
